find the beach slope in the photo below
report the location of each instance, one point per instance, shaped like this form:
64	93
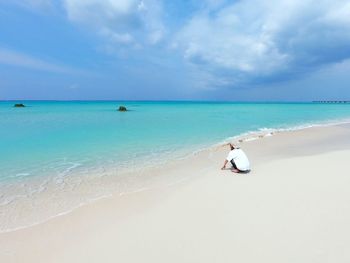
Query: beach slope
293	207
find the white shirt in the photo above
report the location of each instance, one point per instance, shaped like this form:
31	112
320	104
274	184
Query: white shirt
240	159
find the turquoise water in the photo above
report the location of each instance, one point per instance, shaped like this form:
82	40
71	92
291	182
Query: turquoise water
51	137
54	156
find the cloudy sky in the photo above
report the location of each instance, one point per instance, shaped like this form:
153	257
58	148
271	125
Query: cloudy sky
167	50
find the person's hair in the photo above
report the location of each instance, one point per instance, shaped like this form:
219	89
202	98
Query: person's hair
232	147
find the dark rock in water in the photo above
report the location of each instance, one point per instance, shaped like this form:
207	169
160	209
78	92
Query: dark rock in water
19	105
122	108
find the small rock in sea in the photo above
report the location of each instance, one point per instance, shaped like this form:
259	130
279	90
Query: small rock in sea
122	108
240	141
19	105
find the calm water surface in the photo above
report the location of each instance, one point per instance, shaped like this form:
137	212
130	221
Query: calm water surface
49	137
51	142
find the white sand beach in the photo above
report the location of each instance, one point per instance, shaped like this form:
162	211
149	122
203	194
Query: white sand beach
293	207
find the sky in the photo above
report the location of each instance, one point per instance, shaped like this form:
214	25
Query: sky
241	50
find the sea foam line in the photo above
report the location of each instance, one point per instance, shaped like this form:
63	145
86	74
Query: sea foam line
247	136
266	132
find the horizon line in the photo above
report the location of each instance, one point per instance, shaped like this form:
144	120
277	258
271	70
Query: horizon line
172	100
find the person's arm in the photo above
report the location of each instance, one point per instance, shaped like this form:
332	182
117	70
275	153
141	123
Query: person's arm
223	167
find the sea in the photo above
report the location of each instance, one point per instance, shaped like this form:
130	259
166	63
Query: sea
58	155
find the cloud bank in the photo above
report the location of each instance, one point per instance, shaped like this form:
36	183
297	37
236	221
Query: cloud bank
223	43
256	40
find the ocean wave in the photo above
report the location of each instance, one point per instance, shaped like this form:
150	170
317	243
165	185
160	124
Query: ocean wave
265	131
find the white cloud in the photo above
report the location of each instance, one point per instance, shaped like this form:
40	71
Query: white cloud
262	39
123	22
13	58
119	38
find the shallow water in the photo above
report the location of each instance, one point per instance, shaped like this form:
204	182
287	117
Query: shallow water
50	149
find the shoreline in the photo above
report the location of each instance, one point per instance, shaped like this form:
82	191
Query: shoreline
222	203
239	140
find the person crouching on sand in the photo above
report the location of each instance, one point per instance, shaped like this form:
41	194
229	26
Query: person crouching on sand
238	159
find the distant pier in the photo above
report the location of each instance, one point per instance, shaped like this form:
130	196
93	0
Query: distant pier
331	101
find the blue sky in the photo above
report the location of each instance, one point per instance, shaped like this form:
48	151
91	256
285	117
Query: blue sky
168	50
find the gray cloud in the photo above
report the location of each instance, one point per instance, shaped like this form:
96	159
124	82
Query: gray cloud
256	40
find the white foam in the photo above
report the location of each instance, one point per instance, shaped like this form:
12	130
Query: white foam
69	167
266	132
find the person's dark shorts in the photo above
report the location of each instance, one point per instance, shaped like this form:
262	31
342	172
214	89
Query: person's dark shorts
235	167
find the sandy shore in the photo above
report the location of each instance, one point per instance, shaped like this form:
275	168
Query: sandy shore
293	207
